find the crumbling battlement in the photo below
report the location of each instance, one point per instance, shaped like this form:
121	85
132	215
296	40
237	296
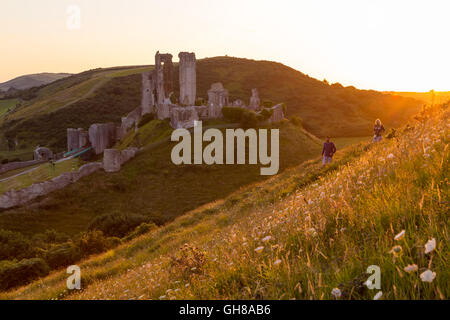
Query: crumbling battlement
188	78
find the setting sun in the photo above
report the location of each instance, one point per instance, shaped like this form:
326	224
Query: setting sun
382	45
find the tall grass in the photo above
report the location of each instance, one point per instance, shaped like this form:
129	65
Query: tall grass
298	235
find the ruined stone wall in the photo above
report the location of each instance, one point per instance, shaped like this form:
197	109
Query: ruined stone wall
184	117
15	198
83	138
102	136
188	78
73	139
255	102
167	74
277	114
147	94
217	99
18	165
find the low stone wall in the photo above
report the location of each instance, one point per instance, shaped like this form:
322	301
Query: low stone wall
277	114
15	198
18	165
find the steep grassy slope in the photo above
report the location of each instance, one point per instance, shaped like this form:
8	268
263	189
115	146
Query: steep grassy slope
150	184
298	235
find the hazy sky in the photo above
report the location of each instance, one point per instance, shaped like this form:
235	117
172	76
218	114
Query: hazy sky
383	45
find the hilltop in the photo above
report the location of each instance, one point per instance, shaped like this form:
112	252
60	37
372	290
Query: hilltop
431	97
297	235
107	94
31	80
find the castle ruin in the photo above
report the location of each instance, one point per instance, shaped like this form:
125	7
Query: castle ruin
158	97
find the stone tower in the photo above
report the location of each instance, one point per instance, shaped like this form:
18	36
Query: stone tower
188	78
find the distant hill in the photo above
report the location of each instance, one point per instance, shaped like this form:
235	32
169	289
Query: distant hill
429	97
31	80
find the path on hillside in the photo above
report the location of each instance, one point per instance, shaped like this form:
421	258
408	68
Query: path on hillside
30	170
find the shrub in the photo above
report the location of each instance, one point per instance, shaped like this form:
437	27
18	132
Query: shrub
140	230
13	274
200	102
62	255
146	118
250	119
92	242
297	121
117	225
14	245
50	236
234	114
268	104
173	98
266	113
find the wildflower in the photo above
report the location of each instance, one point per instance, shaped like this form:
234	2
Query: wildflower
400	235
187	285
396	250
312	232
411	268
430	245
378	295
265	239
391	156
336	293
428	276
162	297
277	262
259	249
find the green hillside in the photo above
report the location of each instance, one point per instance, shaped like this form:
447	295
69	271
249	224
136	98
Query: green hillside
297	235
149	185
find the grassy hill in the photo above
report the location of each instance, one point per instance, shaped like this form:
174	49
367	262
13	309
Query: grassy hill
149	185
326	109
99	95
107	94
32	80
297	235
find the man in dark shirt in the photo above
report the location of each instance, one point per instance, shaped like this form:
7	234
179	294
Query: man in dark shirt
329	149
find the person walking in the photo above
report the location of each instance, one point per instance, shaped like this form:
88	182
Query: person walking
329	149
378	130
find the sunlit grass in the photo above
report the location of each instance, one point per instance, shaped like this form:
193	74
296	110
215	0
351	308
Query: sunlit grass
297	235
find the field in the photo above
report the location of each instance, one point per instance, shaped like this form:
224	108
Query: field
298	235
